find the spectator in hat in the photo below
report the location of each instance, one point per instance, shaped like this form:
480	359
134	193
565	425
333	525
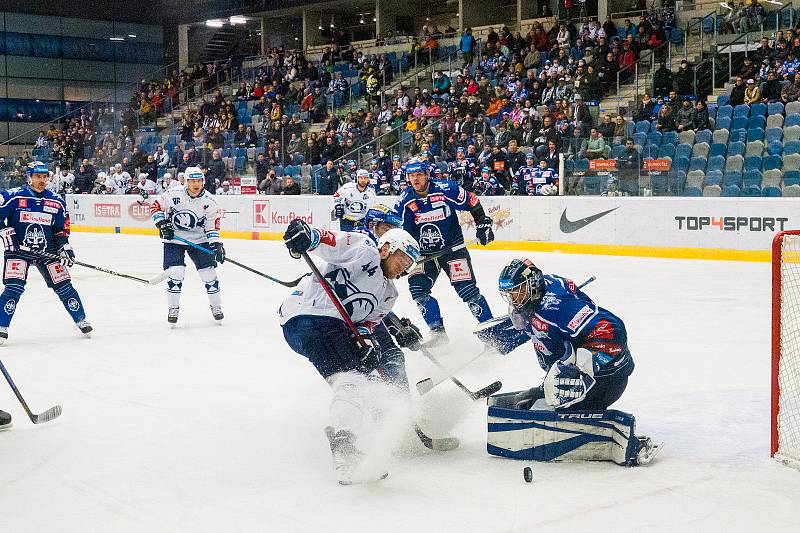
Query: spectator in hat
752	93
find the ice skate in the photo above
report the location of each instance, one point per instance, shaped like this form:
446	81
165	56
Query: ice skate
84	326
437	338
3	335
647	451
217	312
5	420
172	316
347	458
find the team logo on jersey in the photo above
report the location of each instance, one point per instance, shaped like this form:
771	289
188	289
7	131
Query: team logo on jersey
10	306
550	302
476	309
430	237
185	220
36	218
431	216
580	317
540	326
603	330
358	304
35	238
73	304
357	206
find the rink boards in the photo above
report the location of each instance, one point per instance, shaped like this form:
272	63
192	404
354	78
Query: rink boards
691	228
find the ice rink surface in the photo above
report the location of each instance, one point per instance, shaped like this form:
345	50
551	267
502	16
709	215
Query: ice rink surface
208	428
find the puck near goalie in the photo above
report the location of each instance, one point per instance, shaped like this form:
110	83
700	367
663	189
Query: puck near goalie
360	273
583	348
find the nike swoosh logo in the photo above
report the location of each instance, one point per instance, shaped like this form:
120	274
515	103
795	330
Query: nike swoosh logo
570	226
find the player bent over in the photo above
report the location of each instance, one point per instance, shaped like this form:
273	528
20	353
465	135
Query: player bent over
190	212
429	210
351	201
582	347
360	273
34	221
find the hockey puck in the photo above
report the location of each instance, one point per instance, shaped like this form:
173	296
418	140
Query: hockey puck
527	473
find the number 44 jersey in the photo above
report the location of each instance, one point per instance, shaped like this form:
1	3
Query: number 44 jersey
194	219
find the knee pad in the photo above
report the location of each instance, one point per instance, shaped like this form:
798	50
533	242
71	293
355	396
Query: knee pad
175	275
209	277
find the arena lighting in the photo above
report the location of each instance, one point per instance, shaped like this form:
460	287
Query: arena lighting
332	25
374	19
238	19
320	23
214	23
362	20
116	38
132	35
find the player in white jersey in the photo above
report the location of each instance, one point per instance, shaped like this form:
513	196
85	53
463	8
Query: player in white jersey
190	212
360	273
352	201
145	186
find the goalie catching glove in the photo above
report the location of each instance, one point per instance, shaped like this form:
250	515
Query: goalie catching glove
566	384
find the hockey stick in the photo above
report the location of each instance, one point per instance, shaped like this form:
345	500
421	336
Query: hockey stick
441	444
477	395
47	416
292	283
447	251
154	281
424	386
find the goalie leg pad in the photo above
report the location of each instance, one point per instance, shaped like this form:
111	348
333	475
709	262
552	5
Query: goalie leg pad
547	435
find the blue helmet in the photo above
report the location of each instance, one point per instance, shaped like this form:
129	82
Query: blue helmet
381	213
521	284
37	167
417	166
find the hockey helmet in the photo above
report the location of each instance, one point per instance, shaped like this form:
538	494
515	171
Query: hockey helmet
382	213
419	165
194	173
521	284
400	240
37	167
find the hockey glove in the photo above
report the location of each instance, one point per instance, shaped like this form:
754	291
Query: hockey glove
483	230
297	238
165	229
566	385
367	354
67	255
408	335
9	238
338	210
219	252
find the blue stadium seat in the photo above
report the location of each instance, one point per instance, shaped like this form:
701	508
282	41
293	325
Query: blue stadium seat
755	134
582	165
683	150
752	177
752	162
771	192
569	166
731	190
241	164
703	136
658	185
739	123
617	151
758	109
732	178
741	110
791	177
643	126
725	122
723	99
692	191
278	171
757	122
716	162
591	184
771	162
713	177
775	108
792	120
718	149
698	163
677	180
751	191
775	148
736	148
791	147
666	150
680	164
640	139
654	138
670	137
775	134
739	135
724	111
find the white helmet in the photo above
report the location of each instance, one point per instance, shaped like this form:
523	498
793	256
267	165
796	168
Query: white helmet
101	175
195	173
361	172
166	176
400	239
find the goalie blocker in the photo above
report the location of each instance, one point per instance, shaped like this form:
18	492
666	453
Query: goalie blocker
549	435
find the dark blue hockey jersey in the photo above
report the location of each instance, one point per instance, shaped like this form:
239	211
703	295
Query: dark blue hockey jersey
39	219
433	220
567	319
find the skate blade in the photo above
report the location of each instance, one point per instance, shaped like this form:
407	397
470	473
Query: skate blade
347	483
7	426
648	457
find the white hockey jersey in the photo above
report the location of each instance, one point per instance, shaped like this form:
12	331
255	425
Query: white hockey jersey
194	219
149	186
356	203
354	272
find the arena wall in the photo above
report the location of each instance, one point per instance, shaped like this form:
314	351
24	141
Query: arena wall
692	228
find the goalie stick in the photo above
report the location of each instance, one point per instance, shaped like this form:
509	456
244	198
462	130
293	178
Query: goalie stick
292	283
474	396
153	281
438	444
47	416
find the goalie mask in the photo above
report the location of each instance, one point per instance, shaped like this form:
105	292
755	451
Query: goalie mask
521	284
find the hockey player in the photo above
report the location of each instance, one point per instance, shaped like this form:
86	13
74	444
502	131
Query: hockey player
582	347
192	213
351	201
488	185
462	171
429	210
399	182
145	186
535	180
377	179
360	274
34	221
